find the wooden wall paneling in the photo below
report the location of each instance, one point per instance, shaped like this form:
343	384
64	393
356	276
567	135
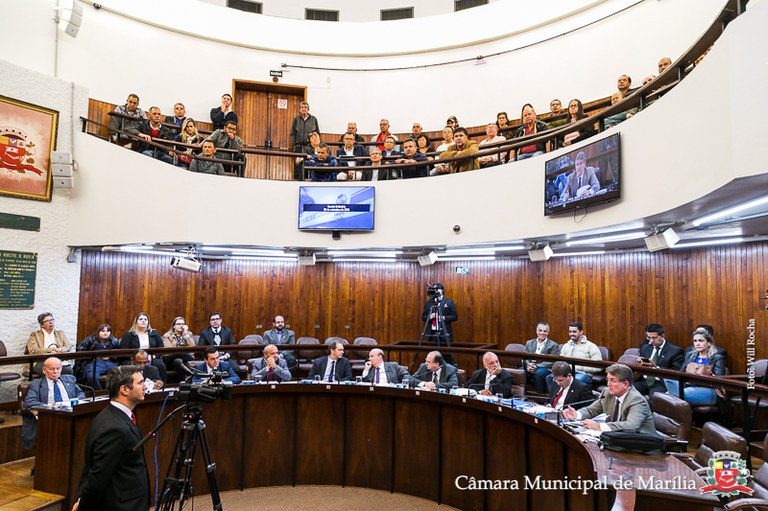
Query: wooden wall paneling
269	456
320	456
505	448
417	439
369	453
578	466
614	296
546	459
461	453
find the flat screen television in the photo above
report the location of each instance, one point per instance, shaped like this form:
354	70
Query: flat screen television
584	177
336	208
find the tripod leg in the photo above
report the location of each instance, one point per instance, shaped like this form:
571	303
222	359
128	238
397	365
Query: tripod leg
210	471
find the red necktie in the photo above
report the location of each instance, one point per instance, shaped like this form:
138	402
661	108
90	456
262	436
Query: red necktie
133	418
271	374
557	398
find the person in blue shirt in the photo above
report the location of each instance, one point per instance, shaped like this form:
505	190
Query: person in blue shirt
212	364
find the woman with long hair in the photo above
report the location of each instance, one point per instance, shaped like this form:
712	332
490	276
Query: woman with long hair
178	336
704	360
575	114
189	135
101	339
143	336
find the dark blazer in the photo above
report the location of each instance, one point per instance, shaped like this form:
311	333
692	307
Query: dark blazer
343	370
413	170
37	396
206	337
165	133
224	367
448	309
150	372
577	393
358	151
717	362
394	371
131	341
670	357
384	173
219	119
501	384
448	376
550	348
114	476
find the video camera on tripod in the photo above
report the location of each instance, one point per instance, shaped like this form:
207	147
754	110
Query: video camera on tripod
206	392
435	291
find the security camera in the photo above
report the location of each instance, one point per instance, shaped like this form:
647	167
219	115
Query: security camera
457	228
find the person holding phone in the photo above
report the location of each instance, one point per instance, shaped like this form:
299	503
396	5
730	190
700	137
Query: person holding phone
657	353
704	360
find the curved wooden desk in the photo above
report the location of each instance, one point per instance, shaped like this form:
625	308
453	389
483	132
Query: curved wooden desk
401	440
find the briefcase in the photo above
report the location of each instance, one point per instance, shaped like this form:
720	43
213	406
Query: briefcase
626	441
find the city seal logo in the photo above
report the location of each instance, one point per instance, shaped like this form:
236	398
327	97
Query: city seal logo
727	475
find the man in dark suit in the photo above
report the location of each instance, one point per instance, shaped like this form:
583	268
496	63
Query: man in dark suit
216	335
115	476
271	367
213	364
626	409
492	379
150	373
435	373
439	313
332	367
568	390
281	335
47	391
378	372
659	353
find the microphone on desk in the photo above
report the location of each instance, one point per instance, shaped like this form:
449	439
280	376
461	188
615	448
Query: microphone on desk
184	368
93	391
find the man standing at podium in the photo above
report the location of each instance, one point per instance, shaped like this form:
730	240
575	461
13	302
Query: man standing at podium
115	476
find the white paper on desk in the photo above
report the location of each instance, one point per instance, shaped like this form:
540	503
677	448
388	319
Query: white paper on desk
600	418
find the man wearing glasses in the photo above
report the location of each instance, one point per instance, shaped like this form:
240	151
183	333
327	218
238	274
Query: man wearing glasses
48	340
568	390
658	353
216	335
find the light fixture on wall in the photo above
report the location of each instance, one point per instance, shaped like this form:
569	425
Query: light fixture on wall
428	259
662	240
68	14
538	255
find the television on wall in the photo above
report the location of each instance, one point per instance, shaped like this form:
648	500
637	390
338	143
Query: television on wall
584	177
336	208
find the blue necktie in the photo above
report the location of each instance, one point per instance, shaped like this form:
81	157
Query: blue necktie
333	370
57	392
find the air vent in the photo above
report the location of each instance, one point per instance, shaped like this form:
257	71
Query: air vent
245	5
321	15
396	14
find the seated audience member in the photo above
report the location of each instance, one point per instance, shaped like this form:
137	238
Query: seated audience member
53	388
648	79
223	114
217	335
333	367
177	119
379	372
447	141
626	409
537	371
150	373
47	340
206	166
390	150
310	150
664	63
623	84
383	134
568	390
658	353
702	360
178	336
271	367
575	114
281	335
502	121
453	122
227	139
530	126
375	171
151	129
435	373
346	155
189	135
462	146
556	110
424	146
322	160
411	155
711	331
101	340
492	379
582	181
416	130
130	124
352	128
212	364
615	119
143	336
578	346
492	137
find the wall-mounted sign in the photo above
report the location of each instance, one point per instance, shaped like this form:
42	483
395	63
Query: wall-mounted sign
282	104
17	279
273	72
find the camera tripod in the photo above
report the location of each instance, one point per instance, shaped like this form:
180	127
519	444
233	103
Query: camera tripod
177	488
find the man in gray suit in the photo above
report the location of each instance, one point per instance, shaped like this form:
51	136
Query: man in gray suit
271	367
626	408
281	335
47	391
379	372
537	372
582	182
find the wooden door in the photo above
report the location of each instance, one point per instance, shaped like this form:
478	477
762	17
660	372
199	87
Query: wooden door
265	112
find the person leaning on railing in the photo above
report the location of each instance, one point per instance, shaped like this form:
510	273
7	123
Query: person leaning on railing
531	126
227	138
462	146
129	119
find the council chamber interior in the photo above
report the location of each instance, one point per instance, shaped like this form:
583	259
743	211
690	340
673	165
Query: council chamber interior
105	240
